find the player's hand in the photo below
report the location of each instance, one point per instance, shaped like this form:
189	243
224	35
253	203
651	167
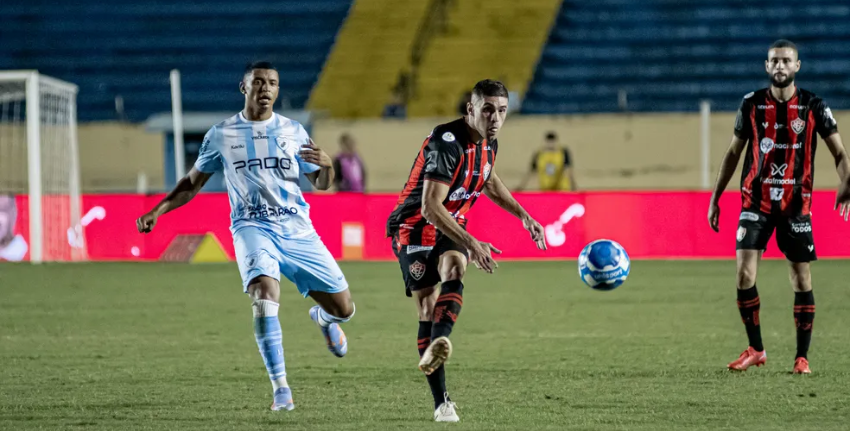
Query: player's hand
714	216
480	256
536	231
312	154
842	200
146	222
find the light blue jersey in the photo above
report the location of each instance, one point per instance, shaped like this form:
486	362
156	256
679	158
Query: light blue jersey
261	168
269	218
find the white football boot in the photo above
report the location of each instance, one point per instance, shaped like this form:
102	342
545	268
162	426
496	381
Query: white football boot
447	412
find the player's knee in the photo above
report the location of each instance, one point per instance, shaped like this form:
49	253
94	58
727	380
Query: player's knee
746	278
264	287
452	268
346	309
801	277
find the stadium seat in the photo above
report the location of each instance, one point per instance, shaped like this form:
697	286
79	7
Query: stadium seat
127	50
668	55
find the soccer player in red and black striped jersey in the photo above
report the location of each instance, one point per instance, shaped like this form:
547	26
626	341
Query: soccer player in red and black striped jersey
457	162
779	126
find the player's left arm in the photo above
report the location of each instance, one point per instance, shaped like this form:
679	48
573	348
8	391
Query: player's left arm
319	166
828	129
497	192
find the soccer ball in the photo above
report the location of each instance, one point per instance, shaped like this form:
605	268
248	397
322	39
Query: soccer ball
603	264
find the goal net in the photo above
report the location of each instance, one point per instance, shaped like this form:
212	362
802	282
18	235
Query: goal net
39	169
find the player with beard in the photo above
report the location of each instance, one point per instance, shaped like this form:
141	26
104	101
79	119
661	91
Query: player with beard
779	126
454	166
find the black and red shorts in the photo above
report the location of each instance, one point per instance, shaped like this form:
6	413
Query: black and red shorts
793	234
419	262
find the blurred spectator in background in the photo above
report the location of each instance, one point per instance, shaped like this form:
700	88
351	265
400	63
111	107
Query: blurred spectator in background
553	166
348	166
13	247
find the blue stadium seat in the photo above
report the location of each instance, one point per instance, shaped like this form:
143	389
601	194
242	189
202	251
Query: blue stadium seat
667	55
117	49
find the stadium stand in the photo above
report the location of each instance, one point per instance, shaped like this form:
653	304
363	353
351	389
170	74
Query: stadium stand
371	50
127	50
666	55
499	41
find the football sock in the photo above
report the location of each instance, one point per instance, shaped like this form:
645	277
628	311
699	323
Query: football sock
437	379
804	316
447	308
270	341
325	319
748	305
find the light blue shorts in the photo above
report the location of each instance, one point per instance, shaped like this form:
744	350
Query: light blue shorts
305	261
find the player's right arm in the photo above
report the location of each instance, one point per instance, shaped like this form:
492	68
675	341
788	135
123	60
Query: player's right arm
441	161
742	133
209	161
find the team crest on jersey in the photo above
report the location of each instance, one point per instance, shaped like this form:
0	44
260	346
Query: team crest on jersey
417	270
766	145
798	125
449	137
281	142
486	171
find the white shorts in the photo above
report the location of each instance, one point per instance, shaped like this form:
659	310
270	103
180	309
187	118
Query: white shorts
304	261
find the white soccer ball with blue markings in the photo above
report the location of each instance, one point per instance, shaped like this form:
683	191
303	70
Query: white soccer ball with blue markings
603	264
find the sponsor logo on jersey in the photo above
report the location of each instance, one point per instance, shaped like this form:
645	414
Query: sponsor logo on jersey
259	136
265	211
778	126
237	147
748	95
796	146
830	120
778	169
765	107
266	163
801	227
417	248
749	216
766	145
462	194
449	137
798	125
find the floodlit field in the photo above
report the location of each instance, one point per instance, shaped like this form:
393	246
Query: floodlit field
170	346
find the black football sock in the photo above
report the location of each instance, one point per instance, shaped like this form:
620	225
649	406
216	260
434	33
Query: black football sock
804	316
447	308
748	305
437	379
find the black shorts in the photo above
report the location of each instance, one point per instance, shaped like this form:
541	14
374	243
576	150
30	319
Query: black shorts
419	263
793	234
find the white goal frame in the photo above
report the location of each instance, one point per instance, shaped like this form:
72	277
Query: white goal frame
33	81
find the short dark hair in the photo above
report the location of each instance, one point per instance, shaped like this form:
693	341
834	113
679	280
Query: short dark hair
783	43
490	88
551	136
258	65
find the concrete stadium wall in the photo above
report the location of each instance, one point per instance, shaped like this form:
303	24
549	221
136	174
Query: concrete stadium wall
611	151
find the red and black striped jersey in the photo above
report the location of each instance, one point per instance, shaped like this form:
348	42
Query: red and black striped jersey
449	156
778	170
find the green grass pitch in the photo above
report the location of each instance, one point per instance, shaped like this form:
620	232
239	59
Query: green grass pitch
123	346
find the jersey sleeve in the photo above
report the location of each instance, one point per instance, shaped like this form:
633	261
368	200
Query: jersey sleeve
304	139
743	121
824	121
441	160
209	156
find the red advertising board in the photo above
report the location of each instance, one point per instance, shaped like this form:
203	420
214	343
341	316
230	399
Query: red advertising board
650	225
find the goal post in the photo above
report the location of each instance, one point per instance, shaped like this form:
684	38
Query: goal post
39	165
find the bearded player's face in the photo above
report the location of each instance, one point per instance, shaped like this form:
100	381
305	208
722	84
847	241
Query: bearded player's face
782	66
261	87
487	114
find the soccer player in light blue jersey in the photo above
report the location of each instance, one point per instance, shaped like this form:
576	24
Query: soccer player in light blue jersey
262	155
